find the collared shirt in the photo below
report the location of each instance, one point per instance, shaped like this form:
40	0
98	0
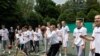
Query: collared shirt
77	32
96	35
53	38
4	34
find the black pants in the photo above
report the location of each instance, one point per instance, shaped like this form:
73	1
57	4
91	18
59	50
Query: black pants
97	54
36	46
0	38
31	45
11	38
53	50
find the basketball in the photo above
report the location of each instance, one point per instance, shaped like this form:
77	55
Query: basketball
9	46
43	29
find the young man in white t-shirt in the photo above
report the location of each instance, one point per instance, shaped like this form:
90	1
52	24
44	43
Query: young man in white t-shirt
26	38
31	36
65	34
79	42
4	35
95	35
36	40
54	42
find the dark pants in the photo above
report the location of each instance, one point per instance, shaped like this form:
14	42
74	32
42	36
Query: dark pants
21	46
0	38
11	38
97	54
36	46
53	50
27	48
31	45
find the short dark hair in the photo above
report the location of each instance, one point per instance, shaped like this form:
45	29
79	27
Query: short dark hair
81	20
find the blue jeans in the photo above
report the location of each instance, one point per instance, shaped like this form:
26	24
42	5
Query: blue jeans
80	51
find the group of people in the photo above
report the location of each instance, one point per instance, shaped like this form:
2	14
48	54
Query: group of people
54	38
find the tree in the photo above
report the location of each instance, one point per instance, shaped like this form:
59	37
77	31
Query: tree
25	7
68	16
91	14
81	14
7	12
46	8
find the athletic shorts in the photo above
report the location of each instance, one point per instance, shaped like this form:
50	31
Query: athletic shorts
65	43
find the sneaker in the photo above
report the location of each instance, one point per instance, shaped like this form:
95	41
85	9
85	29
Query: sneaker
37	54
65	55
59	54
9	52
4	52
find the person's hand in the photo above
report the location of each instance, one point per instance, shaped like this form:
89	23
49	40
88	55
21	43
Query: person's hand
83	46
73	46
81	36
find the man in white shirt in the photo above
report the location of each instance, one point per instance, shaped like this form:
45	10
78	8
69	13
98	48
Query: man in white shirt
26	38
95	35
65	34
54	47
4	35
79	42
36	40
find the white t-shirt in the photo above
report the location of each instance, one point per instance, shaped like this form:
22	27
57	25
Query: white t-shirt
96	35
40	33
26	36
20	38
65	31
17	35
48	31
0	32
59	34
77	32
31	33
36	36
4	34
53	37
19	31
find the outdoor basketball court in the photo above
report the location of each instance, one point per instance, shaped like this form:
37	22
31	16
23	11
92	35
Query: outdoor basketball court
71	51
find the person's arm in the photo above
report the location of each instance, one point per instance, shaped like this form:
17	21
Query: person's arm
87	38
73	45
51	35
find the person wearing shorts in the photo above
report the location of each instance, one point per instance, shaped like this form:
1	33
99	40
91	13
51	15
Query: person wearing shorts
65	34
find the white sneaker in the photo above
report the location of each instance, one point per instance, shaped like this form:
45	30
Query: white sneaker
4	52
59	54
37	54
9	52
